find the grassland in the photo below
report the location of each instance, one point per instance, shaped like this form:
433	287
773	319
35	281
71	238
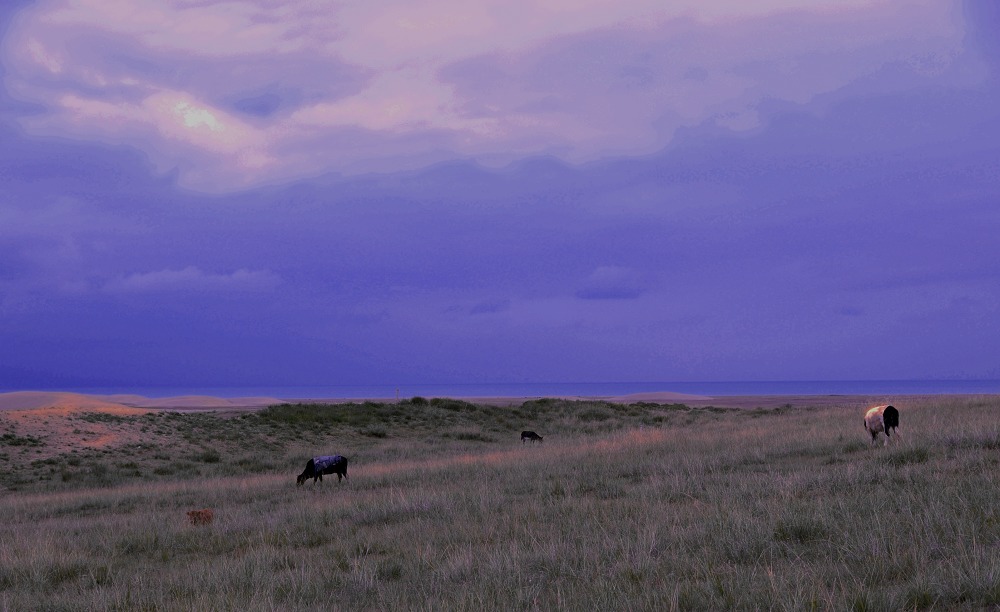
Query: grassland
623	507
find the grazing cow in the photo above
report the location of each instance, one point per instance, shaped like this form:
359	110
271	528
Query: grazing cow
201	517
881	419
530	435
327	464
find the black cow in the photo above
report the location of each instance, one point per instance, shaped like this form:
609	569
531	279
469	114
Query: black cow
530	435
326	464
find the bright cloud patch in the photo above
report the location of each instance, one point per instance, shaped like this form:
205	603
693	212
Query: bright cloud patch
195	117
194	279
240	92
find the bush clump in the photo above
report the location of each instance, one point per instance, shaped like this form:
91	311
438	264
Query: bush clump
209	455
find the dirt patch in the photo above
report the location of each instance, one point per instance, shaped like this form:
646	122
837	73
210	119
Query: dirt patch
41	425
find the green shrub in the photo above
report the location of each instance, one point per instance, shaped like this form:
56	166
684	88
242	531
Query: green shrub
452	404
209	455
103	417
594	414
15	440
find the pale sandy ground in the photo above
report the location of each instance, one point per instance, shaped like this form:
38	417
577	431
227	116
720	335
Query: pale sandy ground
55	402
49	400
55	417
194	402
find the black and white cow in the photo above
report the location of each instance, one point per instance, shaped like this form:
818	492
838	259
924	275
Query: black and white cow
327	464
881	419
530	435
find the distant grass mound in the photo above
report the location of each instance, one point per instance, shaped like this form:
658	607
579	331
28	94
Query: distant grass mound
179	445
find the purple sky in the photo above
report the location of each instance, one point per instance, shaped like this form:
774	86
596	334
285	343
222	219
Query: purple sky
268	192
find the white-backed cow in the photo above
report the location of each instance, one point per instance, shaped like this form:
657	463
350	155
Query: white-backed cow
881	419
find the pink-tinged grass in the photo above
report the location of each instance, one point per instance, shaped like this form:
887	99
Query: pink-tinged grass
620	508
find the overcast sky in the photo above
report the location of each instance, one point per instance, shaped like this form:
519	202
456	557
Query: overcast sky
277	192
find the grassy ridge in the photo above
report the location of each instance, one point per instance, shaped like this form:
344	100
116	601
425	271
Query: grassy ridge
173	445
644	506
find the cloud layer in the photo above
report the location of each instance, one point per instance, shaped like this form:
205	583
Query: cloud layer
237	93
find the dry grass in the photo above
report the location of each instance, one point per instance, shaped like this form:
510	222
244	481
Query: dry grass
622	507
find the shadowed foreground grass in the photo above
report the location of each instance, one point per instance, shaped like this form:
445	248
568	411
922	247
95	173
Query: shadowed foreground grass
638	507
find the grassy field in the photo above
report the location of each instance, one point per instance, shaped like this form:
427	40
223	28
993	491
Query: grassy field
622	507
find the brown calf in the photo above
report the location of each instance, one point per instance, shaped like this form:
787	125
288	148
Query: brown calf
201	517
